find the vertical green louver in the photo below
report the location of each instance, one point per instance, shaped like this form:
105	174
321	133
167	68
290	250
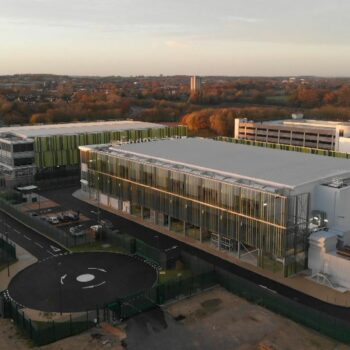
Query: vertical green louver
62	150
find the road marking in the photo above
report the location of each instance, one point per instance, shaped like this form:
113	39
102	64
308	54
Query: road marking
95	268
51	253
16	231
55	249
38	244
62	278
94	286
26	237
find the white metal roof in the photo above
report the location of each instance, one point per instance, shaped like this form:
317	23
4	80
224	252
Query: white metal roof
77	128
258	164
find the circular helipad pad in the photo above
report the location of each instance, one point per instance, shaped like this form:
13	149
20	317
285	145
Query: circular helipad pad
80	282
85	278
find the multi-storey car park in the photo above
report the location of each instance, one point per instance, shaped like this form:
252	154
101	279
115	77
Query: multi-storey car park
29	153
253	203
318	134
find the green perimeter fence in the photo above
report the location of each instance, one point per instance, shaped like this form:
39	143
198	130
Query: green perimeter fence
133	245
48	331
320	321
320	152
7	249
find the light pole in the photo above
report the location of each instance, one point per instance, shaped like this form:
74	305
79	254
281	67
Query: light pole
7	242
98	200
60	289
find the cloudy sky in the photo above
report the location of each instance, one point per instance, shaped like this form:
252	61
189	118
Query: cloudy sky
206	37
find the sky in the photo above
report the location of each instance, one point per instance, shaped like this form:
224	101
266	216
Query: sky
152	37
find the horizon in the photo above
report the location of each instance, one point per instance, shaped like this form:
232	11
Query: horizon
117	38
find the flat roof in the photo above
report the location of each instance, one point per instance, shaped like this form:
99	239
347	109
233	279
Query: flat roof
283	169
76	128
302	123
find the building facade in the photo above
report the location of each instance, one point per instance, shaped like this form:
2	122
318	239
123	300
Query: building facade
196	84
184	186
326	135
32	153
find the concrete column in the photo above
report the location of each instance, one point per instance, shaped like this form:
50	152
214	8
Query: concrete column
184	229
142	215
169	223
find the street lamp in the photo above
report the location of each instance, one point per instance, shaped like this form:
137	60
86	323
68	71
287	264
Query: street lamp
60	289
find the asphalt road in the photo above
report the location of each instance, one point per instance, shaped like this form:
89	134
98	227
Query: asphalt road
34	243
156	239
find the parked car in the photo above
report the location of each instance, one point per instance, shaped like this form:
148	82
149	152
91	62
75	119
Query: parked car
73	216
77	231
107	224
53	220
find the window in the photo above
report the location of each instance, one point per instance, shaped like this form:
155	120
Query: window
23	161
23	147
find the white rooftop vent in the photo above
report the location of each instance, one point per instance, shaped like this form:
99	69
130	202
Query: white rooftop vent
297	116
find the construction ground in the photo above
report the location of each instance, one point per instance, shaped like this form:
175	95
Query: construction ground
215	319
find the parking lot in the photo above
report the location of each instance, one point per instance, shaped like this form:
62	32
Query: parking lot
73	222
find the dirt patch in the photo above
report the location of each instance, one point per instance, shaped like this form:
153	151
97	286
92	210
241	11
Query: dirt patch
94	339
219	319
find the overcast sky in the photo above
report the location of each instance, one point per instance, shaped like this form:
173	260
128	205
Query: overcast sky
206	37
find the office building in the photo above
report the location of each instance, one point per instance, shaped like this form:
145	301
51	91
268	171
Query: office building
253	203
44	151
326	135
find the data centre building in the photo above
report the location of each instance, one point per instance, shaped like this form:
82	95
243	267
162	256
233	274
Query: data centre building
253	203
38	152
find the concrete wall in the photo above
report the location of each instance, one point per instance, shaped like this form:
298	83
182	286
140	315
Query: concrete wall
344	144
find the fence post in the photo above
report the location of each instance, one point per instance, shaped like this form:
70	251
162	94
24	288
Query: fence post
53	331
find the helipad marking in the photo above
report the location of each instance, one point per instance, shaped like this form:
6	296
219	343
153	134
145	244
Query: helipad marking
62	278
96	268
85	278
94	286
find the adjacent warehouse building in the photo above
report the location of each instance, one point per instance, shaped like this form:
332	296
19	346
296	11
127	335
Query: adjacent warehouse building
254	203
326	135
41	151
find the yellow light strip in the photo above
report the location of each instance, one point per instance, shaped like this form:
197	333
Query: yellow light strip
190	199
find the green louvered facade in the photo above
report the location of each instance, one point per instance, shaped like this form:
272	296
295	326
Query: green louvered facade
63	150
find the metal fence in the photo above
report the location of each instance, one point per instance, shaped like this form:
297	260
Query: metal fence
61	237
310	317
48	331
177	288
7	249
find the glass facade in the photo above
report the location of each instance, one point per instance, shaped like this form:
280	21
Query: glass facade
231	214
